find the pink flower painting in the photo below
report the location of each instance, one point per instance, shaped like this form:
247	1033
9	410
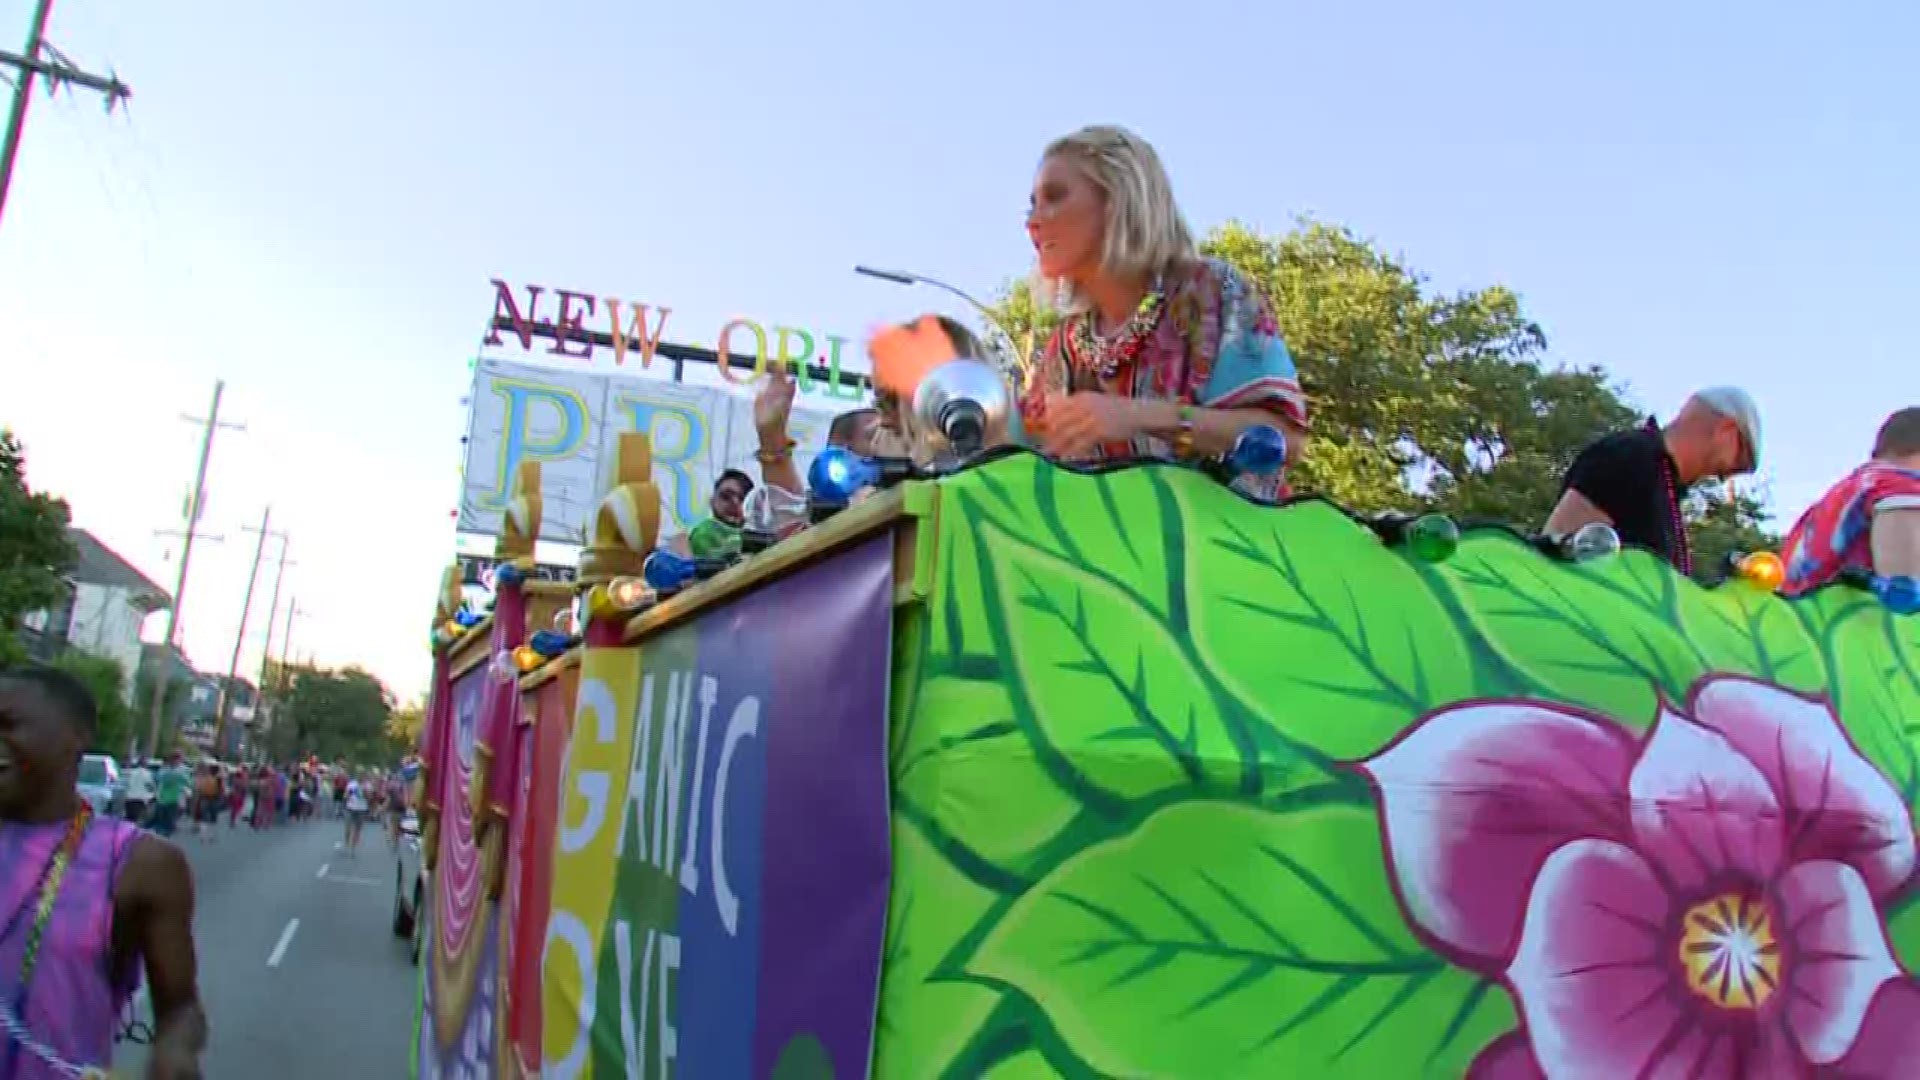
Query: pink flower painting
1706	900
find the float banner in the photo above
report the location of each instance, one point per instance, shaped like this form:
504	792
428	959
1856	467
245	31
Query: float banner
720	877
571	422
530	873
457	1036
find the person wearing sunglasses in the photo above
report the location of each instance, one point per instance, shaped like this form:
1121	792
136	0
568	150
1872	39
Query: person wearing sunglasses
1636	480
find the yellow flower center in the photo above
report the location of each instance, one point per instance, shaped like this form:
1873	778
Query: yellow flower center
1729	952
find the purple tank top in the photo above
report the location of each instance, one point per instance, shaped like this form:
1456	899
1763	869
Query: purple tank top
72	1001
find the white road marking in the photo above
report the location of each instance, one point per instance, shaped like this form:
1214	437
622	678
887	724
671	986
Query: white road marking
286	938
323	871
354	880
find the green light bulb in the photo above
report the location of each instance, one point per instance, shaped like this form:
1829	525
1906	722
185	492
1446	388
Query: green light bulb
1432	537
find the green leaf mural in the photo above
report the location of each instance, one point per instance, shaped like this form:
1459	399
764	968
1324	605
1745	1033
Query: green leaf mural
984	781
925	1023
1226	940
1106	681
1742	629
1600	635
1139	757
1334	656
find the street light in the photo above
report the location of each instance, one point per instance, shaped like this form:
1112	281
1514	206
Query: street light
1011	358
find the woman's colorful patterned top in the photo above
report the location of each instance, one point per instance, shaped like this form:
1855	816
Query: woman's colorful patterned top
1218	346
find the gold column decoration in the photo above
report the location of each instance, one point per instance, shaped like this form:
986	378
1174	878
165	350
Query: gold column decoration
520	526
445	632
627	524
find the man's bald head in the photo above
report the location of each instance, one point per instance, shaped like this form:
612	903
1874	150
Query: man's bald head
1716	434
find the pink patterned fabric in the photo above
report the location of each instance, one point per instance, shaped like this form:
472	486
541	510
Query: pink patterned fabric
1218	346
73	1000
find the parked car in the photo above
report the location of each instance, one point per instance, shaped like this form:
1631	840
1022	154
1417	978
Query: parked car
101	785
409	888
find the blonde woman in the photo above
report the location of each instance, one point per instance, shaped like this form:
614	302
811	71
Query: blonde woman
1162	353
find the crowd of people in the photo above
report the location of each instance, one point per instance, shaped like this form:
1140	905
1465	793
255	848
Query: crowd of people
160	796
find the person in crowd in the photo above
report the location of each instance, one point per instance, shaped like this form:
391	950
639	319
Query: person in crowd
207	795
1162	353
139	798
1637	480
358	803
236	795
87	904
339	785
262	786
718	534
882	430
396	807
171	790
1868	521
855	429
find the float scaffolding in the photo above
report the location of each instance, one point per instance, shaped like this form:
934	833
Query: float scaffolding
1032	771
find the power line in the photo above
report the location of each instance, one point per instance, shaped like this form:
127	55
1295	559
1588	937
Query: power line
40	58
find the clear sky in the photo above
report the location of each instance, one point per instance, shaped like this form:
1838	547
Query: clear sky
308	201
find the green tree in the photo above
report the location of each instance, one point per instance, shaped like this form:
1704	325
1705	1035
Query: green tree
107	681
1421	400
35	554
405	725
175	696
1721	523
335	713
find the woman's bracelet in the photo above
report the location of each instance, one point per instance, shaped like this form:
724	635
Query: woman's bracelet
769	457
1183	434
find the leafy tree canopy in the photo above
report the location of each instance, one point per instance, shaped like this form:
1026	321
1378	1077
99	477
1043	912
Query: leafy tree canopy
334	713
35	554
107	680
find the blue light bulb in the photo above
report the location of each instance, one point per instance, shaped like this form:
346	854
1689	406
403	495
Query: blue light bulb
467	617
549	643
1259	450
838	472
665	570
508	574
1901	594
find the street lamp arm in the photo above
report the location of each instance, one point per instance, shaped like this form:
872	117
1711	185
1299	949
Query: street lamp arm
902	277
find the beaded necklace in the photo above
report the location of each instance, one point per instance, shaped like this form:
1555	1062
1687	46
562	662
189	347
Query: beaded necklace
1103	358
43	897
47	890
1682	547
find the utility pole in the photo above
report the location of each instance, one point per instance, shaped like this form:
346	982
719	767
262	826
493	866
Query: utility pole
286	646
195	500
240	635
273	613
273	617
58	70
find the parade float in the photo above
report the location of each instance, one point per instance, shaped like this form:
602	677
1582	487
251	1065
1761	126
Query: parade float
1028	770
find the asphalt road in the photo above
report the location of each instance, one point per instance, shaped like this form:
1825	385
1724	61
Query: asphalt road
299	969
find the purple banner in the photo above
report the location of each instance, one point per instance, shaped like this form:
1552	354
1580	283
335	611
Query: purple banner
720	878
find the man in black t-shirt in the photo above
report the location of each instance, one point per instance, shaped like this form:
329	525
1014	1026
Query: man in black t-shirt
1634	480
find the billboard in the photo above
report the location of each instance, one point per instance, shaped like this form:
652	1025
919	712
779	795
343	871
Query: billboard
571	422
